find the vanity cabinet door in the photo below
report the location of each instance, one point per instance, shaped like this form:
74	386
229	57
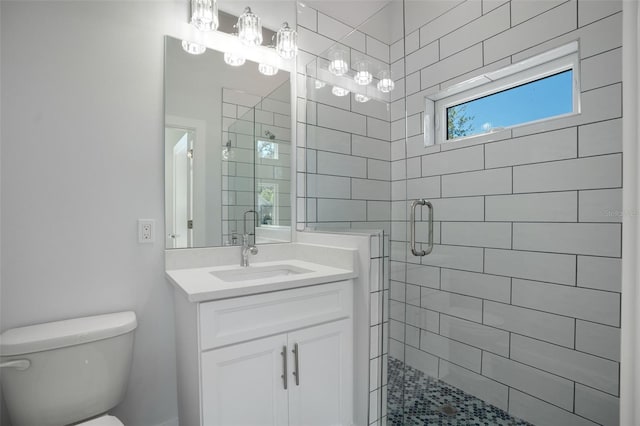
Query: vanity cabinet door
323	394
242	384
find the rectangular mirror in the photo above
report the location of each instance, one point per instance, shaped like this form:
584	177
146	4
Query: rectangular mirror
227	151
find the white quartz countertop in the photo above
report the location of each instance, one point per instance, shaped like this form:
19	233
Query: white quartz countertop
198	284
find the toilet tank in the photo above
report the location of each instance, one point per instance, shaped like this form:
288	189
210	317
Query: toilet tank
77	368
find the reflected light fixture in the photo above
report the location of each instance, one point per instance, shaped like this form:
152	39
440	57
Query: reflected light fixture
359	97
193	48
338	65
339	91
204	14
286	42
268	70
363	76
227	152
318	84
385	85
233	59
250	28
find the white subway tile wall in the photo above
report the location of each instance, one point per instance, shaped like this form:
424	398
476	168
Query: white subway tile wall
519	302
526	279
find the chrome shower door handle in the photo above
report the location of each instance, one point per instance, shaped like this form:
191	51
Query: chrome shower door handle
412	223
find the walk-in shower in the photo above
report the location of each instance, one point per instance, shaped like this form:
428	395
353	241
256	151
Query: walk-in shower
512	315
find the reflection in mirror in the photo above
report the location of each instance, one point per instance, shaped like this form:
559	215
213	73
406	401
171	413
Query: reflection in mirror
227	150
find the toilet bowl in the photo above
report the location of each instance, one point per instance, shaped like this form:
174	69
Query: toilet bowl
67	372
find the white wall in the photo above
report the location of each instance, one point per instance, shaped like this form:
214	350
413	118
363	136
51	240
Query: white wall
82	160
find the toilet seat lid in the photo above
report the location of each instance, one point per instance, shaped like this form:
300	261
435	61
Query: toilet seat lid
105	420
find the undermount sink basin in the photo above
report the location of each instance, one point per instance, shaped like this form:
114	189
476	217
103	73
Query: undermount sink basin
258	273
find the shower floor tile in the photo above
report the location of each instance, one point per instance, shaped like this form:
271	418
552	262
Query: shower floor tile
429	401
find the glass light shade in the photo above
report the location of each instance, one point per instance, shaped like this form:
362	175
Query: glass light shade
286	42
267	69
193	48
233	59
339	91
385	85
361	98
363	76
204	14
319	84
250	28
339	64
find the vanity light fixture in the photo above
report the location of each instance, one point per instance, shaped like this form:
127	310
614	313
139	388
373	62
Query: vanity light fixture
319	84
339	91
204	14
338	65
359	97
286	42
193	48
363	76
268	70
385	85
250	28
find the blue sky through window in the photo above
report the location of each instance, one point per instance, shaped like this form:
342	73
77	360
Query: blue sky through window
547	97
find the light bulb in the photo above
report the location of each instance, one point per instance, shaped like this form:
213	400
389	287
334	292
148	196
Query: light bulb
319	84
339	91
233	59
286	42
361	98
204	14
338	65
193	48
385	85
267	69
250	28
363	76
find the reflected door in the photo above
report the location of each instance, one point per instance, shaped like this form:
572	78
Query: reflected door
180	211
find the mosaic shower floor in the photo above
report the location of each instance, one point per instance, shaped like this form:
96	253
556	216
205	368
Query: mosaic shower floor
429	401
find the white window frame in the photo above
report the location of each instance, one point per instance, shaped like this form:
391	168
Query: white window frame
538	67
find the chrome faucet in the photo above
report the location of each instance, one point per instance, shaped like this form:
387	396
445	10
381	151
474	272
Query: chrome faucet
246	247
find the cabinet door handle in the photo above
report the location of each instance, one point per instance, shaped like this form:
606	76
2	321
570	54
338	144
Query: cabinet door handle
296	371
284	366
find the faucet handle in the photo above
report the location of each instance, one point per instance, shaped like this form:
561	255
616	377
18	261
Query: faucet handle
253	249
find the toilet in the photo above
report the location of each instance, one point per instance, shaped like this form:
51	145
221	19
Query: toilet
67	372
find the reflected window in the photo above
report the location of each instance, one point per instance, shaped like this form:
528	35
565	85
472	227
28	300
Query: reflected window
267	150
268	203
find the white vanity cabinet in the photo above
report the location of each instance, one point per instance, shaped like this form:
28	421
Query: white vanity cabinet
280	358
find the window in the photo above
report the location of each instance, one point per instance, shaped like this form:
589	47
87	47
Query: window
540	88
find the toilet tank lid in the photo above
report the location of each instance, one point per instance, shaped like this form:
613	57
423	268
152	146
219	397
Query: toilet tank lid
58	334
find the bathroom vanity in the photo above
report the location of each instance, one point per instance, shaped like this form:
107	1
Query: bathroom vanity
270	344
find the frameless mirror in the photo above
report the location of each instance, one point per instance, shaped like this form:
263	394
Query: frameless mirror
227	151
